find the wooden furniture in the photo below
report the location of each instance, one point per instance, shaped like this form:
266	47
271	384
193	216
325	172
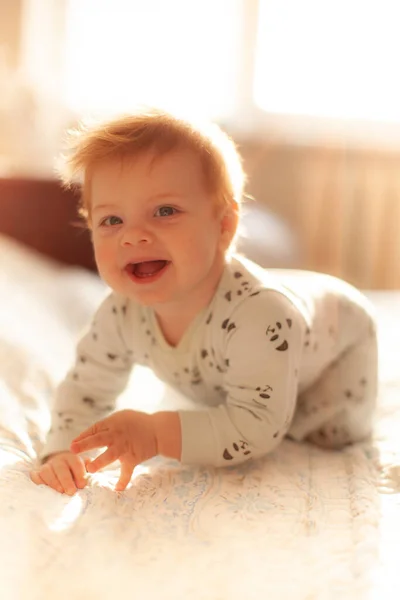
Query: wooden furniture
43	216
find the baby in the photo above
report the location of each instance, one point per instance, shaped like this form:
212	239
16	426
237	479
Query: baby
263	354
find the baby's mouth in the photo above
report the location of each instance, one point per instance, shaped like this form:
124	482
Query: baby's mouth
147	268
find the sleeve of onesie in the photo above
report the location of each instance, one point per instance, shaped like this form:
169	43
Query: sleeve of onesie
101	371
263	349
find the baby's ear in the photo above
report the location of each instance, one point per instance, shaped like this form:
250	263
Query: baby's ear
229	224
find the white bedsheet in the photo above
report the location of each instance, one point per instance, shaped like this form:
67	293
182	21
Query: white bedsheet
301	524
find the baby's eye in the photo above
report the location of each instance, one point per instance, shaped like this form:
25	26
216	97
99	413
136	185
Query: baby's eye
165	211
110	221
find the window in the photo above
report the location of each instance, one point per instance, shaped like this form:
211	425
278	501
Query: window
174	53
296	70
329	58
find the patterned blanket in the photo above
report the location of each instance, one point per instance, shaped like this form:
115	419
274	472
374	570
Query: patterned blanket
301	523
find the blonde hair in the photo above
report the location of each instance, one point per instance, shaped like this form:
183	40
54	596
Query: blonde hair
158	131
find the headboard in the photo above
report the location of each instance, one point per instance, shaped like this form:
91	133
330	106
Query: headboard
40	214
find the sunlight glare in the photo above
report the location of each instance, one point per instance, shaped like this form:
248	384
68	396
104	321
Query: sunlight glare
69	514
127	52
7	459
329	59
144	391
108	477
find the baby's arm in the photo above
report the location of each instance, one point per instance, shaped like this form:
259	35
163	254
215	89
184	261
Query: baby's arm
168	430
100	373
263	350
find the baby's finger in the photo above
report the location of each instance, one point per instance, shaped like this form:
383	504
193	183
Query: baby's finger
79	472
49	477
87	462
92	430
103	460
65	477
35	477
99	440
125	477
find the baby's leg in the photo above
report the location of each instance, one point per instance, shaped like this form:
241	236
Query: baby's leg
338	409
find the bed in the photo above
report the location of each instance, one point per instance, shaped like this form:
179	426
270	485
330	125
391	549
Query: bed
301	523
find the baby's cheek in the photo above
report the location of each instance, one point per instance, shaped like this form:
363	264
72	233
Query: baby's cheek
101	250
106	259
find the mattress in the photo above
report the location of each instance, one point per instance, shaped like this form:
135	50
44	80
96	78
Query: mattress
300	523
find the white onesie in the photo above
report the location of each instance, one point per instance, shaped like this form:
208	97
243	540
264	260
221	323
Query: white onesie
275	353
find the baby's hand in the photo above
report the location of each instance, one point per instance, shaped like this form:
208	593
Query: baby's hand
64	472
129	436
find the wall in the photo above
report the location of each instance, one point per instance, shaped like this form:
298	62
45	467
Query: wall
343	204
10	20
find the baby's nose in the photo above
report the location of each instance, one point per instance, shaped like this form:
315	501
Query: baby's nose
136	235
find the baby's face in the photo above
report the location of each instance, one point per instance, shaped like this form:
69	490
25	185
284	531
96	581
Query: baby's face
156	233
